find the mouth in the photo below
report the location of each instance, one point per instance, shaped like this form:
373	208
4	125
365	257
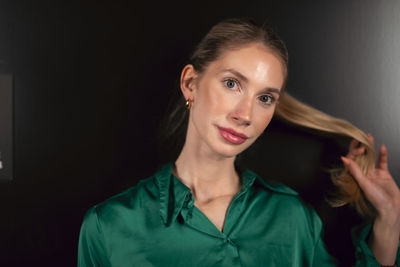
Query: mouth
232	136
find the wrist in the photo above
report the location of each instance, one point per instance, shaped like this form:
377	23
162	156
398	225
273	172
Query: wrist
387	226
390	215
384	241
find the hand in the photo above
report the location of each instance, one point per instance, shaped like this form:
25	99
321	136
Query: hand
378	186
383	193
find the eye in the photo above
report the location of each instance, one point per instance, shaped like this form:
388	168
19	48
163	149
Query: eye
231	83
267	99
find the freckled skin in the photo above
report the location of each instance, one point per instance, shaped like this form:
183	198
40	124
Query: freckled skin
239	107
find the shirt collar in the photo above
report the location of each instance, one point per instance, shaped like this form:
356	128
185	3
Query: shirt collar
174	194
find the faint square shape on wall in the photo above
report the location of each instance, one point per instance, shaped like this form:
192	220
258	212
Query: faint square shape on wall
6	127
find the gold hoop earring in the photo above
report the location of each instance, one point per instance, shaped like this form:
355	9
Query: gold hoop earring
188	104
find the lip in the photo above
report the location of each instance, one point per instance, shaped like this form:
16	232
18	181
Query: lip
231	131
232	136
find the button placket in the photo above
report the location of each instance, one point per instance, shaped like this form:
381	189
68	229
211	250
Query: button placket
231	251
228	240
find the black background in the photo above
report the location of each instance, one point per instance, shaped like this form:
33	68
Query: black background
91	84
6	126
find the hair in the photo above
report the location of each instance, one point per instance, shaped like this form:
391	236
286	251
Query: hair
235	33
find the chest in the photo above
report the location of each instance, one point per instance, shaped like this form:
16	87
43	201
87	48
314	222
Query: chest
216	210
195	243
257	231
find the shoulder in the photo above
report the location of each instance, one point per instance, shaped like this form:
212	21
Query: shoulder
130	203
277	187
286	203
272	187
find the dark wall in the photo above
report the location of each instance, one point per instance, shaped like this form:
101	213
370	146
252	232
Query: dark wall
92	81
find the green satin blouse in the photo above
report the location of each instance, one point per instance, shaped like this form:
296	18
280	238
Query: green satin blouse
156	223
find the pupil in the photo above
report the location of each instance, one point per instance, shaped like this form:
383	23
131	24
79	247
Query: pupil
230	84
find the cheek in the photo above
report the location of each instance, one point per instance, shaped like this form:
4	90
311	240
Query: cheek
214	100
261	122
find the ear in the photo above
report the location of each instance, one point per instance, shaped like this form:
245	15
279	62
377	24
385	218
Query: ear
188	81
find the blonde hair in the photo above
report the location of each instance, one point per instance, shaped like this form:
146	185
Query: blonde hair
233	33
348	190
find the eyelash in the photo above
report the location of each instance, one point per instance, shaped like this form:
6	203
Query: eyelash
237	83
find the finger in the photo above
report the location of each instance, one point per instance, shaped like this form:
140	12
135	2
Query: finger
371	138
359	151
355	171
355	151
353	144
383	158
352	147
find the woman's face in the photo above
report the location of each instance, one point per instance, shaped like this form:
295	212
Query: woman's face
237	91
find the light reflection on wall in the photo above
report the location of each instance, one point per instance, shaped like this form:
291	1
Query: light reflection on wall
345	60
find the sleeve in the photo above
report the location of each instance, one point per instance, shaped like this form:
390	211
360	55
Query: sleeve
91	247
364	256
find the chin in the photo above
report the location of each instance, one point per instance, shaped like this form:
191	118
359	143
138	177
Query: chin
230	151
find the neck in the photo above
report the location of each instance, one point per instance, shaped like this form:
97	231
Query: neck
207	177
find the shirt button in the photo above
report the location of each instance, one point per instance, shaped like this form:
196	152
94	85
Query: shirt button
229	241
191	203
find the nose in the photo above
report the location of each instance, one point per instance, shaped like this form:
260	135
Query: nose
243	112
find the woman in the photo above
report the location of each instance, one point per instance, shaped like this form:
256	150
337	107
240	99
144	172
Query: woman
205	210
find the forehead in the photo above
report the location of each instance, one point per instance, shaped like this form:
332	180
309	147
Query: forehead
255	61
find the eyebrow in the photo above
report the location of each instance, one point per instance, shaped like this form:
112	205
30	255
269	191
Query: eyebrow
244	78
